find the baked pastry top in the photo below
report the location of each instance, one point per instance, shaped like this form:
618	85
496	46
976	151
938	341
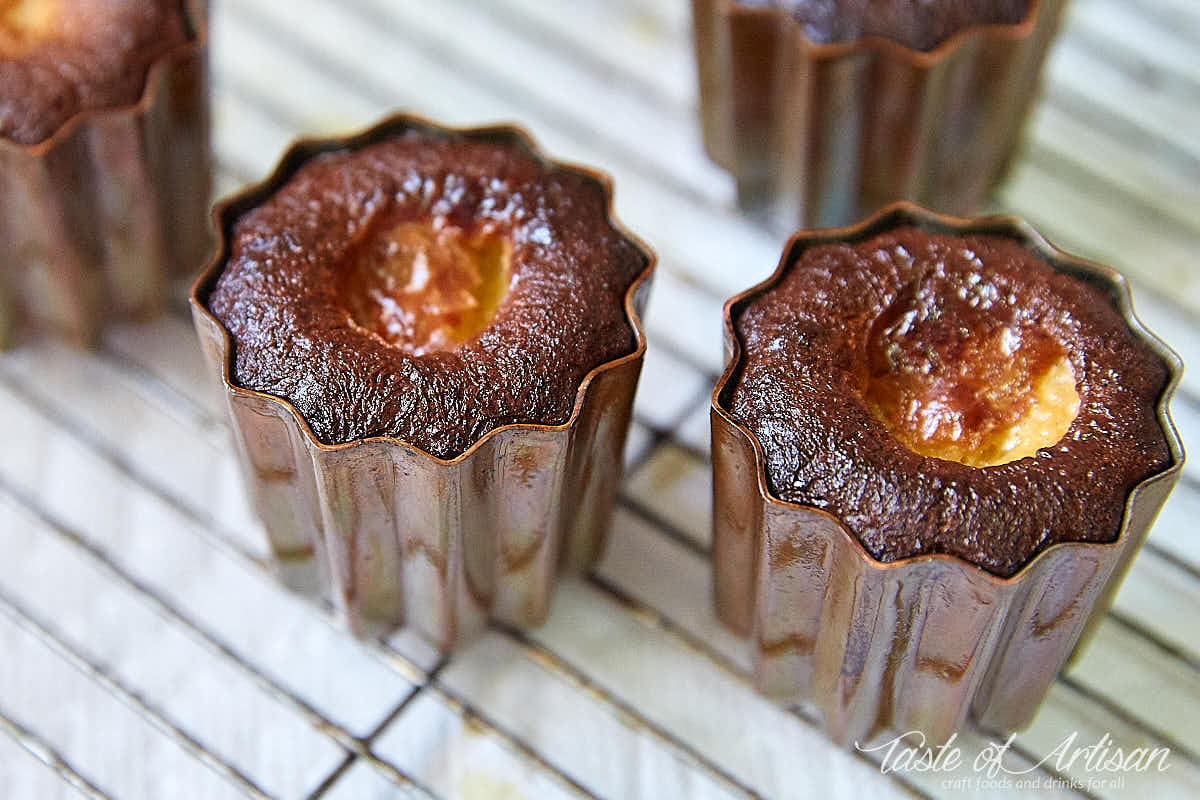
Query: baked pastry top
919	24
429	288
948	394
62	57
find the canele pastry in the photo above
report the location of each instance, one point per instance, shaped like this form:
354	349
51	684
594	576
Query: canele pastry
429	343
937	447
104	164
825	110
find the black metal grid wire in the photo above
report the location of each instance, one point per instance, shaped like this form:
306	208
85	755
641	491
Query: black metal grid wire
1060	166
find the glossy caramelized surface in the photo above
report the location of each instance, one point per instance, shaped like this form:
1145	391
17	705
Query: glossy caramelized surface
425	289
945	394
956	372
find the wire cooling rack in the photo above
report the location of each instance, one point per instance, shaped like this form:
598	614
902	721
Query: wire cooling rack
150	649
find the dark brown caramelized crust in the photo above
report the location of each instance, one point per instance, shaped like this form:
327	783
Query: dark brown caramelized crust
59	58
919	24
318	318
945	320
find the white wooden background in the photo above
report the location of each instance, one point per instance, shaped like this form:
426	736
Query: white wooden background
147	651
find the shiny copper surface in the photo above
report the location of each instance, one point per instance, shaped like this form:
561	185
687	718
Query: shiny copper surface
98	217
923	642
400	535
821	134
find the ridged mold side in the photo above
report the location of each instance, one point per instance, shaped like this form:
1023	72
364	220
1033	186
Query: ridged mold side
924	642
401	536
97	218
822	134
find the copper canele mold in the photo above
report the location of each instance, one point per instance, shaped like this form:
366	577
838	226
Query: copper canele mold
97	218
822	134
399	535
923	642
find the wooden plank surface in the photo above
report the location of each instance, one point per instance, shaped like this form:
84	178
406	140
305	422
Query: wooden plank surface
151	649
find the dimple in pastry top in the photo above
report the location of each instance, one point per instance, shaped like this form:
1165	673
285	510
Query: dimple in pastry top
428	288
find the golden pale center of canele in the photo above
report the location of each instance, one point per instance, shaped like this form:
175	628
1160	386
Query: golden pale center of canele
427	289
978	391
25	22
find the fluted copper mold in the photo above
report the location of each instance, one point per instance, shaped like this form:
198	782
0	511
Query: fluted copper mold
919	643
98	218
401	536
821	134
